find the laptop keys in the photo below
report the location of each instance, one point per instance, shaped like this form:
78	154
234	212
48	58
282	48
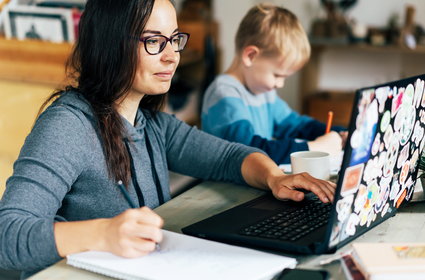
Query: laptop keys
291	224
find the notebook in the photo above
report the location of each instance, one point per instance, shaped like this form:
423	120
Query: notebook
390	261
378	174
186	258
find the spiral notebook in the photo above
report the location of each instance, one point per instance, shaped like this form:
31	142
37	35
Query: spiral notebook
186	257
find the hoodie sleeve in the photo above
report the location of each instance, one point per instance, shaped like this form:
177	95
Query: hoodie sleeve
49	162
195	153
279	150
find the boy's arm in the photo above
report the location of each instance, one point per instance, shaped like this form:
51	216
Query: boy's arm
289	123
229	120
279	150
242	131
303	127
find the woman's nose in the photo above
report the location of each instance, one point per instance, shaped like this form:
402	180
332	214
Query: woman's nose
168	54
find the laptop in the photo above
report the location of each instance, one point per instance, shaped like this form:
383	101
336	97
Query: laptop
377	175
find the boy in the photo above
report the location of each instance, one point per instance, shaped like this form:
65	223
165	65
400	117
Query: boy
242	105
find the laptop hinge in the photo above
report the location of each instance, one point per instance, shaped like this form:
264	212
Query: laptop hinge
321	248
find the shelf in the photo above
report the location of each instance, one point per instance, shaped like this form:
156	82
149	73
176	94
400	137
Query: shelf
369	48
33	61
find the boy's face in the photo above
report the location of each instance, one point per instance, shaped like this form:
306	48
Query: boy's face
266	73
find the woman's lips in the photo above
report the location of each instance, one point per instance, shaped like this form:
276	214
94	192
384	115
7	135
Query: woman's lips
165	75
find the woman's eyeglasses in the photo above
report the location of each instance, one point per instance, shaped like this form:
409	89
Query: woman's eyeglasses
156	43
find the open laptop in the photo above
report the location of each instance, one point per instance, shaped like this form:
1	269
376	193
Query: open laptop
378	174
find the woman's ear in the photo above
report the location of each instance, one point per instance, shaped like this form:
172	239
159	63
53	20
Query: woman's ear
249	54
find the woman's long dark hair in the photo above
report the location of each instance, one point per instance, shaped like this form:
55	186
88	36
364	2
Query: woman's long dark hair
103	65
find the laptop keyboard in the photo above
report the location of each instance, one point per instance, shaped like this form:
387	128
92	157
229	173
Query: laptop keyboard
291	224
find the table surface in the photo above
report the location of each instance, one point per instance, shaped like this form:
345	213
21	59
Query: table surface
209	198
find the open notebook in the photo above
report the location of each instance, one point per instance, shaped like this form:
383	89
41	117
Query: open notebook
186	257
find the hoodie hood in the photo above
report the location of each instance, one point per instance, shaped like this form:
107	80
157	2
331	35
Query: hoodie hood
78	102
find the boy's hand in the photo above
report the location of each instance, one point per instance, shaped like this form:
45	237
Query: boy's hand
331	143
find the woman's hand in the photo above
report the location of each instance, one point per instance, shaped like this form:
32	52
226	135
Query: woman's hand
133	233
260	171
287	187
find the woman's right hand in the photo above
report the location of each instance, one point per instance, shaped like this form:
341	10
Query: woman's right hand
133	233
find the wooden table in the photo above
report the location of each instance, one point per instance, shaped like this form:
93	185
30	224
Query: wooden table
209	198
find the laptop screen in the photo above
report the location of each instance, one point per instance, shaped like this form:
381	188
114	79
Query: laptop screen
381	157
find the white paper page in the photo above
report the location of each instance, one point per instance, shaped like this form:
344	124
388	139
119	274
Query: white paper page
186	257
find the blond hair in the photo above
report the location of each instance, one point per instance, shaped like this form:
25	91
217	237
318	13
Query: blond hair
275	31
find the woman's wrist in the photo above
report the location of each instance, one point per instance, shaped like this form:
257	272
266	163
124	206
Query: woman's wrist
260	171
80	236
98	240
273	177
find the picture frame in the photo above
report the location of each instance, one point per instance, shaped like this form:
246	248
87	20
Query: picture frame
40	23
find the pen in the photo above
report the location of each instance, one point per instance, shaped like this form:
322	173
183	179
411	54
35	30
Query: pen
329	123
125	194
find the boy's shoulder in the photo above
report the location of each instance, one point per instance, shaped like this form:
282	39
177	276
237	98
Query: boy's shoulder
226	85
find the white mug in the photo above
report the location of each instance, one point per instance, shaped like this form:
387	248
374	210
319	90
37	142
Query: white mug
317	164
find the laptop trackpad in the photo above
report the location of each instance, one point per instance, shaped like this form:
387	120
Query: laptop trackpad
269	203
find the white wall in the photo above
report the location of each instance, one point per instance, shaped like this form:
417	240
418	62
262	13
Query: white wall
369	12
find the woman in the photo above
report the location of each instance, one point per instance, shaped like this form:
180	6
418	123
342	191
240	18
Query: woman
63	196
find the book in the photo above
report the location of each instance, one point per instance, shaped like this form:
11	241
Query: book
186	257
390	260
350	269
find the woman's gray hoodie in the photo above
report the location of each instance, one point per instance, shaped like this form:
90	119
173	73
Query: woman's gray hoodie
61	175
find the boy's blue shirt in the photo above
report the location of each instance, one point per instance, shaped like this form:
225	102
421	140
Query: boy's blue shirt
264	120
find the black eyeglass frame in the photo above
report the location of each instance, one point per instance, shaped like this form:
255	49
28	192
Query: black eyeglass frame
162	47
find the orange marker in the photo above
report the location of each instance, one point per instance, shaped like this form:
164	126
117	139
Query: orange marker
329	123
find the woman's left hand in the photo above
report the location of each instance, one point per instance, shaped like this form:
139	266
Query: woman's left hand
287	187
260	171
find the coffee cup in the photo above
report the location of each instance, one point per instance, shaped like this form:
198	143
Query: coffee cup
316	163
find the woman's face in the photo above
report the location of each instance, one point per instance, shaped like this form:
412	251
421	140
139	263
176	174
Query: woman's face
154	72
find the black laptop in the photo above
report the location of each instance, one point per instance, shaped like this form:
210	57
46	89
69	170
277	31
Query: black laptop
378	174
